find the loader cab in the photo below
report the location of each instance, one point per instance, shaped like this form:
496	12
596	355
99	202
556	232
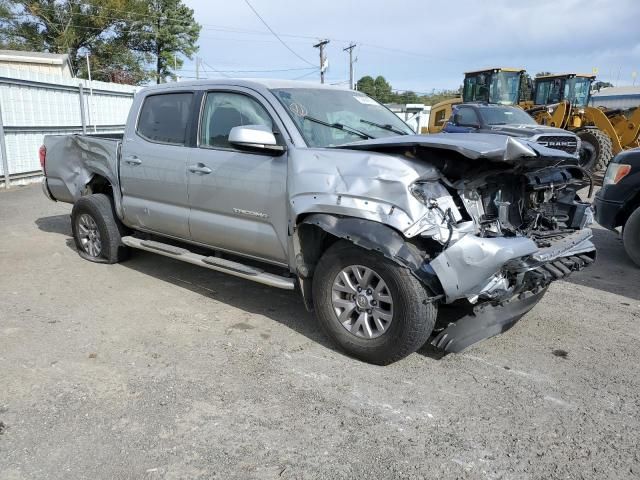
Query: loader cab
572	87
494	85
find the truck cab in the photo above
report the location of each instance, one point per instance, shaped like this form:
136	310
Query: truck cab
511	121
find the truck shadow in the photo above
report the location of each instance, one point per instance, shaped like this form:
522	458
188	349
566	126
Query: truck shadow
613	272
284	307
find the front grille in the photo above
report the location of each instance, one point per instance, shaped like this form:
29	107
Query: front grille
564	143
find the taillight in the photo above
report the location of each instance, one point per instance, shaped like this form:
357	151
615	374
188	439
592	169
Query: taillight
615	173
43	156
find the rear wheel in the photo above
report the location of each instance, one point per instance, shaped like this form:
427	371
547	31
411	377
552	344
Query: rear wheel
597	150
631	236
97	231
371	307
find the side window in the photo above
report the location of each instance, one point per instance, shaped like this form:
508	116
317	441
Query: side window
223	111
467	116
164	118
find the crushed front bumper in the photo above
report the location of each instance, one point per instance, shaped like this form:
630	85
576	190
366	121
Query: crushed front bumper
529	277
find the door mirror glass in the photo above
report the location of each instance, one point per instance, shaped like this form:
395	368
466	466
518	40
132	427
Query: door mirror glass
255	137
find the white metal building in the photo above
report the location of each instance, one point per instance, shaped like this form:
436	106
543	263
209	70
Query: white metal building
34	104
416	115
617	97
47	63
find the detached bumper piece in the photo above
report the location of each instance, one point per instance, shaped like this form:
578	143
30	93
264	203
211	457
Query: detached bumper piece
485	321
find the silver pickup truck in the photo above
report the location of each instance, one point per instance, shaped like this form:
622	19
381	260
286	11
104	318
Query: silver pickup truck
323	189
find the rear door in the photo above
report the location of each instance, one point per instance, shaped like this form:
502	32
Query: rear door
237	198
154	164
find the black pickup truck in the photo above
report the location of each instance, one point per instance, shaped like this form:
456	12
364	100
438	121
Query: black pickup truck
617	203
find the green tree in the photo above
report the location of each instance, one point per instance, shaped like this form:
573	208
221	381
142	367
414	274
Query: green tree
543	74
383	89
599	84
172	31
367	85
128	40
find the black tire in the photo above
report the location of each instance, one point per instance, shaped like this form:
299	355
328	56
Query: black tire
109	229
631	236
597	150
413	315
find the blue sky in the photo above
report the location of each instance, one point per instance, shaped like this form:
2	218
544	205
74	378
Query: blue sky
416	45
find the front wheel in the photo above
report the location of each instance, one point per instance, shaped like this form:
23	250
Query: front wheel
631	236
369	306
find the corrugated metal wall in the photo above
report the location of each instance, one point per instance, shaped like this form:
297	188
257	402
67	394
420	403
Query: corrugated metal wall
34	104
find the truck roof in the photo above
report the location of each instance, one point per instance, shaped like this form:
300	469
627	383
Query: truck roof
255	83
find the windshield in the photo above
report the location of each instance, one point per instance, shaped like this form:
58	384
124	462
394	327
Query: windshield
492	87
579	90
505	88
327	118
505	116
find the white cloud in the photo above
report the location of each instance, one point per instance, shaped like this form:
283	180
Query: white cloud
428	44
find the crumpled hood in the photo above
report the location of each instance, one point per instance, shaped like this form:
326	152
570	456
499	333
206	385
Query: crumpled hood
473	146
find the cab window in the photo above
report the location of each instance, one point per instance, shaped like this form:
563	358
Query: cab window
164	118
466	117
224	111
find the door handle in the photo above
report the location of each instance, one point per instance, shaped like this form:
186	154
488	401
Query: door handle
200	169
133	160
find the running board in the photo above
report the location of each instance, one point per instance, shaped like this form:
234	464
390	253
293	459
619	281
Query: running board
213	263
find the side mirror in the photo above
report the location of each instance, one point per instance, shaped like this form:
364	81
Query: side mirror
456	118
255	137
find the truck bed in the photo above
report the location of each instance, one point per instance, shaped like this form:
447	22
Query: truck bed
72	160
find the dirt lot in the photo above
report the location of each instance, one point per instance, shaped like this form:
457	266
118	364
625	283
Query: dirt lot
158	369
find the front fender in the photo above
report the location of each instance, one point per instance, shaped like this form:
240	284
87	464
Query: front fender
380	238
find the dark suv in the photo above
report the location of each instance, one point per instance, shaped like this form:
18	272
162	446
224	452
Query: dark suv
618	201
511	121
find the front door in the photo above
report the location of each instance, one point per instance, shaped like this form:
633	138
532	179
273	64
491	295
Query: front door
153	167
237	198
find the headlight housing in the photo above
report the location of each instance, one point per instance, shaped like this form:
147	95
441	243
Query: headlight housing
615	173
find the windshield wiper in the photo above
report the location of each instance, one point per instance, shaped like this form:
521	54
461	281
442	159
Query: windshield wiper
388	127
339	126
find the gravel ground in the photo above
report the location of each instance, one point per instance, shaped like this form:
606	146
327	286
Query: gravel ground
157	369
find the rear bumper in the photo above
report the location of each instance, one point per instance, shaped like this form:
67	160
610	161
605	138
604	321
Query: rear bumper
607	212
45	190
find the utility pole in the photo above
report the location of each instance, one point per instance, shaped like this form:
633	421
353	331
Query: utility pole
197	68
323	59
92	105
350	50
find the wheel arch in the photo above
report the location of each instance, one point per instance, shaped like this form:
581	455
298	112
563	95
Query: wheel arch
316	232
98	183
630	206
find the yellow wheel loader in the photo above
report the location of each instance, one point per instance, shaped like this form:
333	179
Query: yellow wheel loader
492	85
563	101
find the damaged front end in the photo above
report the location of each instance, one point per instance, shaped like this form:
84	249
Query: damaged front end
500	225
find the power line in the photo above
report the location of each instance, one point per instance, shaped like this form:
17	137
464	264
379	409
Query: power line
275	34
261	71
315	70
